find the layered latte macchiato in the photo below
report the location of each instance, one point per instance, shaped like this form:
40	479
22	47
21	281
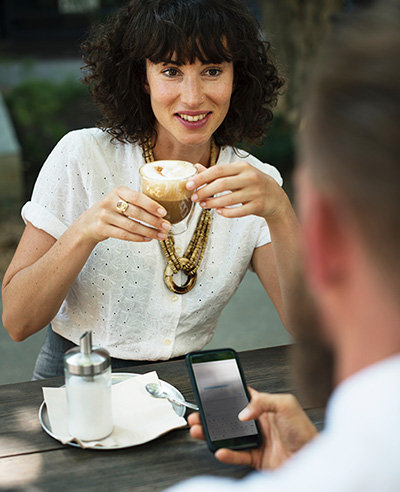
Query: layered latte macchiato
165	182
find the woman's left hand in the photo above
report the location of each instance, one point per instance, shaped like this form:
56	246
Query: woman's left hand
245	190
250	191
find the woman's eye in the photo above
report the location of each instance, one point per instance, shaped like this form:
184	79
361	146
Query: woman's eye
170	72
213	72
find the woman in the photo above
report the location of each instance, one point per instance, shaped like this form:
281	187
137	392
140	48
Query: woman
175	79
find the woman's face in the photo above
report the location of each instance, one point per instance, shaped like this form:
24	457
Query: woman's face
189	101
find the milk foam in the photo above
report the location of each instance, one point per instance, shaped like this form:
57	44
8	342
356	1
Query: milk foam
168	170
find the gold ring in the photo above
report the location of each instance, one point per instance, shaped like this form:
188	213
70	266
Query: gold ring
121	206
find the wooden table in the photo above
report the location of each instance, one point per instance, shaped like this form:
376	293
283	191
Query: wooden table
31	460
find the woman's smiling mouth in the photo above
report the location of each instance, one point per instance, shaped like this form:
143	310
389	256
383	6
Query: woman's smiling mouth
193	121
188	117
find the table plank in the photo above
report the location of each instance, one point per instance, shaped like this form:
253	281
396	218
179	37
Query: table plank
20	429
153	466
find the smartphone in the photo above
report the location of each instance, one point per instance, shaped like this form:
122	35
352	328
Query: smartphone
221	393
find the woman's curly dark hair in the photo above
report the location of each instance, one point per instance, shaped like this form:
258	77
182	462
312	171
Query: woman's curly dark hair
212	31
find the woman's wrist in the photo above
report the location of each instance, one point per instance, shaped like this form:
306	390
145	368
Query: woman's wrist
283	213
79	239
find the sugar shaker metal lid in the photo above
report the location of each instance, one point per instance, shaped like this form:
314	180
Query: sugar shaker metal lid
86	360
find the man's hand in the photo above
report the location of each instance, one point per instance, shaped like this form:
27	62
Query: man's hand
284	426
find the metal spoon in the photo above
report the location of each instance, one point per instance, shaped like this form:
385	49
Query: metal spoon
155	390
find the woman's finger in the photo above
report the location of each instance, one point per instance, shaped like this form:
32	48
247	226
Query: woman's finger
214	173
124	220
224	185
137	214
226	200
200	168
128	226
136	198
125	235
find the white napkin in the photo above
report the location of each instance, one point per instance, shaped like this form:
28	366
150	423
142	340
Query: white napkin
137	416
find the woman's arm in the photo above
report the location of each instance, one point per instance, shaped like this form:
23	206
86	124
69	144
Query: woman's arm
277	264
253	192
43	268
38	279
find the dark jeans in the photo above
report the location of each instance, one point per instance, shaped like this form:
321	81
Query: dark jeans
50	361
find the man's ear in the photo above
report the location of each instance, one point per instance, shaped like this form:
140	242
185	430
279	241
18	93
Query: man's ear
326	243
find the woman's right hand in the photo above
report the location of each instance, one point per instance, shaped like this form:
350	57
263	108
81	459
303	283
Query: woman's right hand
102	220
53	264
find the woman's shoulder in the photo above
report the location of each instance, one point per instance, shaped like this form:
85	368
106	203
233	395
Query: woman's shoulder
95	142
230	154
85	135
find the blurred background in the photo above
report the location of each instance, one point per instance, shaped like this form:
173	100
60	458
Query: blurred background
42	98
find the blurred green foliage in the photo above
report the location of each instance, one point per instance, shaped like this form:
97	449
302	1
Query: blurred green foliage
42	112
278	149
278	146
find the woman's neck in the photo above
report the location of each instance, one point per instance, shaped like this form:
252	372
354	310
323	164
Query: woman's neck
195	154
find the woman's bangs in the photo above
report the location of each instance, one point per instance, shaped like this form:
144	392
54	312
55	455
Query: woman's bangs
174	44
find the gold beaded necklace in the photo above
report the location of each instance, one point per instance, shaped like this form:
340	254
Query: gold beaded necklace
189	263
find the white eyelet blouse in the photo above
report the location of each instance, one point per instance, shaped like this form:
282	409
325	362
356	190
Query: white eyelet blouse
120	292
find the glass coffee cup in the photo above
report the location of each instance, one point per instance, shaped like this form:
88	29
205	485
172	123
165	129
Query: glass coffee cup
165	182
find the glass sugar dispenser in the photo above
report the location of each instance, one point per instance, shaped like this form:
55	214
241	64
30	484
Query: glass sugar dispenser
88	386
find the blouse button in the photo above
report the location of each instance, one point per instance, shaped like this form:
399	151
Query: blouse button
174	298
178	250
167	341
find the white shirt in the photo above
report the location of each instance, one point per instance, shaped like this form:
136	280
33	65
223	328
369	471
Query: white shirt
120	293
358	451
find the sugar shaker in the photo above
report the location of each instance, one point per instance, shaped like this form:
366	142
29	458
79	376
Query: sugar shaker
88	385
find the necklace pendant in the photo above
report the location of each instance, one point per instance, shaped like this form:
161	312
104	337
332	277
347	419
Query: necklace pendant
179	289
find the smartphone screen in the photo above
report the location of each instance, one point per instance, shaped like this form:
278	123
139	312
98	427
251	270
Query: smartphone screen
221	392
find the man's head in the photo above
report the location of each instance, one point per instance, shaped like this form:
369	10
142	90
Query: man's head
348	187
351	143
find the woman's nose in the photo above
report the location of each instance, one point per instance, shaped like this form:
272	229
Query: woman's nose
192	92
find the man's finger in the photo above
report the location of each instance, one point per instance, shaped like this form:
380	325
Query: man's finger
260	403
194	419
197	432
266	402
233	457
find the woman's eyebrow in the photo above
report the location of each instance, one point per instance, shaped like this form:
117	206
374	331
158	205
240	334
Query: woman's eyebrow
171	62
179	64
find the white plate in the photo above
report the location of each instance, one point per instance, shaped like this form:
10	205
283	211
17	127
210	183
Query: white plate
116	377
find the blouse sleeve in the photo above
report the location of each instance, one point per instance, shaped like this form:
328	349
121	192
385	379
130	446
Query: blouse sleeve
264	236
59	195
